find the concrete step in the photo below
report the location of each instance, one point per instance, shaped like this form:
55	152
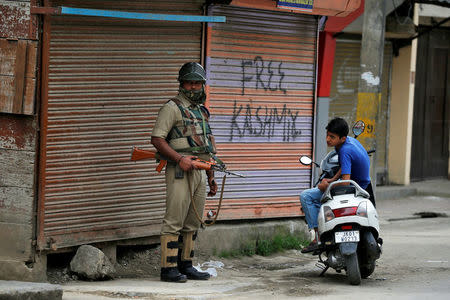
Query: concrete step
19	290
394	192
436	187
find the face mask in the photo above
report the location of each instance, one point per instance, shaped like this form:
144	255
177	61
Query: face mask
197	97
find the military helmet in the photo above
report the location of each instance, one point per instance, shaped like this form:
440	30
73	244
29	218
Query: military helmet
192	71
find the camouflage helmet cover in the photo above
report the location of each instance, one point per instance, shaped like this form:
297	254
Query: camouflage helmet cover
192	71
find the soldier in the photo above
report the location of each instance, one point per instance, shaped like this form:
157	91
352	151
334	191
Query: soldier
180	133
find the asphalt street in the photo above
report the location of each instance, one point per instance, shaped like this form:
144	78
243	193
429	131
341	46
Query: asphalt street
414	265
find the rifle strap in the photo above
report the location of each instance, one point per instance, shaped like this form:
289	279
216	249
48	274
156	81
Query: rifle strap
203	223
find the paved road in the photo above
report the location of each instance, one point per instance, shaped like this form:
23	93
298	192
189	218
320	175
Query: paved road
414	265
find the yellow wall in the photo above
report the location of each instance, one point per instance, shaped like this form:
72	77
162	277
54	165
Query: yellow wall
402	103
401	114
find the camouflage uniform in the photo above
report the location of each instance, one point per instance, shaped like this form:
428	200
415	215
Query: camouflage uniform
185	127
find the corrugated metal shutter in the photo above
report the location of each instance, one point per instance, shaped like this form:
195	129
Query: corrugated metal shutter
261	77
108	78
344	94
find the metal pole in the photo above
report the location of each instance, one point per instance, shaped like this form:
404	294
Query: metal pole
369	92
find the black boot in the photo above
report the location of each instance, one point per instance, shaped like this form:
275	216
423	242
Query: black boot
186	268
172	274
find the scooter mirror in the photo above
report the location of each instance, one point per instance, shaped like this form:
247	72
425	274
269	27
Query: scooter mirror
358	128
305	160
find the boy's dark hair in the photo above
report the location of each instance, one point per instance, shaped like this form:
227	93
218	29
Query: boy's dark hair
338	126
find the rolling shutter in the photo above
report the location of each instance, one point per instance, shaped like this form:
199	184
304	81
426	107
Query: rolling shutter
344	94
107	80
261	82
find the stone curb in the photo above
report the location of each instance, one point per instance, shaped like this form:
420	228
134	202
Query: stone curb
19	290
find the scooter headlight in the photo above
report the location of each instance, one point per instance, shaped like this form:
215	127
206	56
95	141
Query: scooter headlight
362	210
328	213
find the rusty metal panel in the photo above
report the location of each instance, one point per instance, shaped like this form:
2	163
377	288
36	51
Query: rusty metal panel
17	76
16	21
261	83
344	91
107	80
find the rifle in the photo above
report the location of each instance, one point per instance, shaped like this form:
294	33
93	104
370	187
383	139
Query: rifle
138	154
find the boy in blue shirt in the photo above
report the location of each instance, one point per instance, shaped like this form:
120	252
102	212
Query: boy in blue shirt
355	165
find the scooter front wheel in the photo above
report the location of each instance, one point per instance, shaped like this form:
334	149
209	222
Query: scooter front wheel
352	266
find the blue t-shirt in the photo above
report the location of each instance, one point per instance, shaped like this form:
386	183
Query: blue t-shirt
354	160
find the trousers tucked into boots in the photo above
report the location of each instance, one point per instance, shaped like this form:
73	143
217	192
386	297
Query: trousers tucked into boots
169	256
185	255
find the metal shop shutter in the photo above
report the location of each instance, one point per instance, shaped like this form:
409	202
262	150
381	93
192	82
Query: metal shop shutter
344	94
107	80
261	80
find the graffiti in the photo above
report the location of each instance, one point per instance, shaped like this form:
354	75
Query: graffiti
263	121
262	69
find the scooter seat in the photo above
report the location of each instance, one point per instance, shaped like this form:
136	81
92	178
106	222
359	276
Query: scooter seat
343	190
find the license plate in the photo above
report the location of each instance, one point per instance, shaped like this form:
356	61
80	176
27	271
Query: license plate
346	236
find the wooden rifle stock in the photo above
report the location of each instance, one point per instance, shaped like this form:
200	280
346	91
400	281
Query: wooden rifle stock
138	154
202	164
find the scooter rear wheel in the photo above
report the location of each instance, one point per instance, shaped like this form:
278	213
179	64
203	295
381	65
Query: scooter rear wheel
352	266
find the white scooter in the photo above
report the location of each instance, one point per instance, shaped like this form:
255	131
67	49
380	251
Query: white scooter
348	225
